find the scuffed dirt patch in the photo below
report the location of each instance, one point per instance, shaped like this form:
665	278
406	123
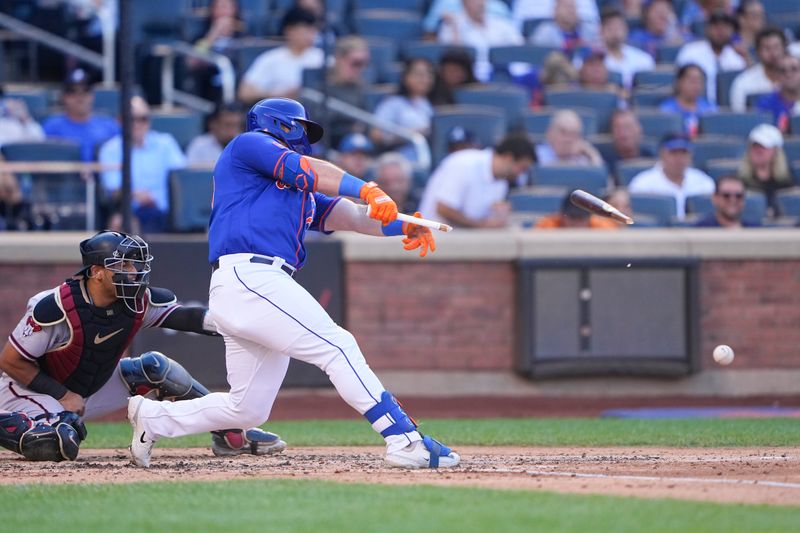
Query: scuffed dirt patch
734	475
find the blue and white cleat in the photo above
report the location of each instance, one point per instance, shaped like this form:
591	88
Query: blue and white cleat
425	453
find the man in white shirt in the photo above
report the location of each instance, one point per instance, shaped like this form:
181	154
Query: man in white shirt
715	53
763	77
672	175
621	57
545	9
469	187
481	30
279	72
224	124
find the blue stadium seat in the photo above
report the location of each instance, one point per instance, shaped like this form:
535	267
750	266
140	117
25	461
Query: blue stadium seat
511	99
247	50
721	167
184	126
399	25
157	19
591	179
37	101
643	98
656	124
537	122
789	202
714	147
724	82
501	56
655	79
190	193
627	170
732	124
794	125
487	123
106	100
432	51
543	200
383	54
529	26
416	6
751	99
373	94
666	54
603	103
661	208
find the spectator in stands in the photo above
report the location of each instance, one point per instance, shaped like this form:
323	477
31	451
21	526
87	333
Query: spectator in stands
764	76
477	28
153	156
78	123
573	217
565	144
564	31
346	82
557	71
393	174
587	14
469	187
764	166
411	108
460	138
441	9
455	71
672	175
222	27
621	57
620	198
224	124
728	201
355	155
697	11
16	123
751	17
785	102
593	74
688	99
660	28
279	72
715	53
626	136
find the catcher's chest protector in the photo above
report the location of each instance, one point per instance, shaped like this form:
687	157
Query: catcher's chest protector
99	336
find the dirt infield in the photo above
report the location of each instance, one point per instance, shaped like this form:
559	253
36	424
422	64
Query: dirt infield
740	475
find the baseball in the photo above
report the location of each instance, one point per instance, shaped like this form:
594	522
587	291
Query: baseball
723	354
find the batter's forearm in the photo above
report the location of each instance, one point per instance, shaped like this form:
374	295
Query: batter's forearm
348	216
329	176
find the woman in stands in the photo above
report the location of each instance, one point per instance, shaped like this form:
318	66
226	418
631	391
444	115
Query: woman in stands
764	166
689	98
411	108
455	71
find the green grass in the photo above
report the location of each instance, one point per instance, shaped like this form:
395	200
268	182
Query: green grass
295	505
516	432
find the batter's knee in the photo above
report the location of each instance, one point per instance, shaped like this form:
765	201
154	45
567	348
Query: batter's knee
249	415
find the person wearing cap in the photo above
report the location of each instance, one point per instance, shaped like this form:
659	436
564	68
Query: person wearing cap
764	166
78	123
715	53
573	217
785	102
279	72
728	202
460	138
355	154
660	27
673	175
621	57
764	76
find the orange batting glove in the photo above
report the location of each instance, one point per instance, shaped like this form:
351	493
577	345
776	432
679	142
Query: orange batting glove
381	206
418	237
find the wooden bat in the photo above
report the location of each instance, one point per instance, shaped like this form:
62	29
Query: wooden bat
441	226
595	205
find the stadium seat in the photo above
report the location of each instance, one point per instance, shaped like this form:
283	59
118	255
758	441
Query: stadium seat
724	82
715	147
788	201
415	6
661	208
487	123
373	94
627	170
511	99
37	101
791	145
794	125
602	102
667	53
721	167
383	54
396	24
184	126
751	99
190	199
536	122
656	124
432	51
542	200
501	56
591	179
247	50
654	79
644	98
106	100
732	124
529	26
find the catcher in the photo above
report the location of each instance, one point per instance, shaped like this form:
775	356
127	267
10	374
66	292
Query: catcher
62	363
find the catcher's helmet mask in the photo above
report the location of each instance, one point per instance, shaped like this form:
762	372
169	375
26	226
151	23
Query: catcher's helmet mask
127	257
286	120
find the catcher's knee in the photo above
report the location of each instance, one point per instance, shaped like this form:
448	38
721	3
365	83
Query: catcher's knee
12	427
59	441
156	371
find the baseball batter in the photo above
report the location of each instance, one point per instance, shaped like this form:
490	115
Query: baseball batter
267	194
62	361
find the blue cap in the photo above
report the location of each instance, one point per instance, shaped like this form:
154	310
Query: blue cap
676	141
459	134
356	142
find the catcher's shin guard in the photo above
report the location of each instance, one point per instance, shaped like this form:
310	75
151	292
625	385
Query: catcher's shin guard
156	371
58	441
12	427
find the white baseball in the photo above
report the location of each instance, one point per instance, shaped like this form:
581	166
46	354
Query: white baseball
723	354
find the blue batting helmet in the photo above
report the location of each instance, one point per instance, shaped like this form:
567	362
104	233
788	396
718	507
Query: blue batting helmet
287	121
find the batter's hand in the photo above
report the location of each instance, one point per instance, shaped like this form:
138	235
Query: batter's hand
418	237
381	206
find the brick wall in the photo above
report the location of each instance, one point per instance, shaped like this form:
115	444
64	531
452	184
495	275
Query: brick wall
19	283
753	306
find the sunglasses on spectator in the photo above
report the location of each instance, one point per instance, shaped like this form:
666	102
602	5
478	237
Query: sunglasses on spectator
359	63
789	69
734	195
141	118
